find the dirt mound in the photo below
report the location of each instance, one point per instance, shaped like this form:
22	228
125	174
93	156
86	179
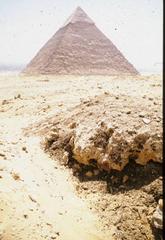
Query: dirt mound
109	131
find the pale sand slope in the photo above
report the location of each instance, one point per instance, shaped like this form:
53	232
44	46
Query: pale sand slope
37	196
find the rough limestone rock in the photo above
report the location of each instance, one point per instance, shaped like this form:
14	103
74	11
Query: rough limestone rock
157	218
80	48
93	132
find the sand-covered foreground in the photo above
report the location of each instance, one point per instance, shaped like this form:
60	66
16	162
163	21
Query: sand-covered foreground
39	198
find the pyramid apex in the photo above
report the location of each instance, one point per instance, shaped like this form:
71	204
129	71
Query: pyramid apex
79	8
78	11
78	15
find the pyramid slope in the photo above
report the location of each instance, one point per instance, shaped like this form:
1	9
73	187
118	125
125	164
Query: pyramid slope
80	48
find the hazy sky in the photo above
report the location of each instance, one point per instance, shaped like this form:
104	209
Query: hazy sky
134	26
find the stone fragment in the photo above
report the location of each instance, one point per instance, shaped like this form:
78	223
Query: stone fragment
125	178
160	202
24	149
16	176
141	114
65	158
4	102
72	125
96	172
17	96
150	98
2	154
88	174
157	217
146	120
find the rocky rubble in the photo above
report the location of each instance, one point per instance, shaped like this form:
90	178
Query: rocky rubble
104	131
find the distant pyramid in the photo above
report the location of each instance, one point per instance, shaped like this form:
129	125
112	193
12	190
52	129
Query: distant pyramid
79	48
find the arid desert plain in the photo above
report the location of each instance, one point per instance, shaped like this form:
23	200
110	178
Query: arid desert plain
45	193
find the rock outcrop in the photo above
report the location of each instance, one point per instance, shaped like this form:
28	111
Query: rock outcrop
104	131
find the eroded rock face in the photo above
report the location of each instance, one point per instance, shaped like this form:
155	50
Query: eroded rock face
93	131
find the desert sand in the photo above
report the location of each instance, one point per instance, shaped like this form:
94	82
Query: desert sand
40	198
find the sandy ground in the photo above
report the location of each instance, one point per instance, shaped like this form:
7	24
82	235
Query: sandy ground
39	198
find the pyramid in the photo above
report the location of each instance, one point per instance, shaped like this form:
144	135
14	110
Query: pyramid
79	48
